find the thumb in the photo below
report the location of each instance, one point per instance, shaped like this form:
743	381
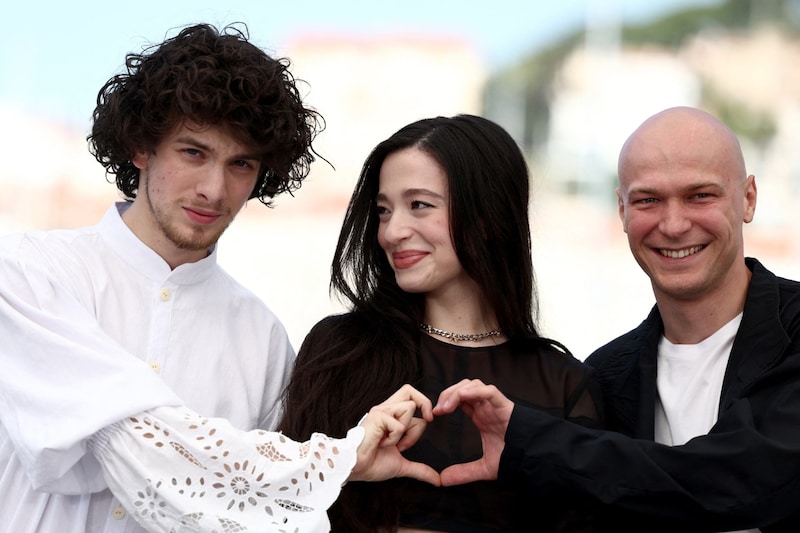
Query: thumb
420	471
465	473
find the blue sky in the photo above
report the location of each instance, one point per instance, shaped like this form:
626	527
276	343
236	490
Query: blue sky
54	57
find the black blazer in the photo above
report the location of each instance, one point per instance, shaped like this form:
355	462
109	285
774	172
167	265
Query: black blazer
744	473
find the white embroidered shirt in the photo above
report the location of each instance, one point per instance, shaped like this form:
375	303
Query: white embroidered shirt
96	327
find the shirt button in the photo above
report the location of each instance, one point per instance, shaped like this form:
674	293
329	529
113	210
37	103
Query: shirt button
164	295
155	366
118	513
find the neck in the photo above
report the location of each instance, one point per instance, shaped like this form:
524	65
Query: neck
140	221
457	337
467	313
694	320
464	319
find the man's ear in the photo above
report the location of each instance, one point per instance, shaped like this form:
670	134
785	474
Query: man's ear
621	205
140	160
750	196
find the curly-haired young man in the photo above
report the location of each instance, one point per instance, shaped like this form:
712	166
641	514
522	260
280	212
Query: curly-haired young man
102	323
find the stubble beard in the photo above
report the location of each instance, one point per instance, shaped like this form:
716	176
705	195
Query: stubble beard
196	240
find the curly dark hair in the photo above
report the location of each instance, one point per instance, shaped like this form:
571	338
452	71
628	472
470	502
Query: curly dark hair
209	77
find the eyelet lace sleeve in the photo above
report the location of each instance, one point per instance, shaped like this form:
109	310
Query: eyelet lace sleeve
175	470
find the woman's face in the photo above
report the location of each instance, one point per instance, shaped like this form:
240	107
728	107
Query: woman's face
414	223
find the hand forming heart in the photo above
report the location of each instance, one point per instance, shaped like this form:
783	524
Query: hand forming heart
391	428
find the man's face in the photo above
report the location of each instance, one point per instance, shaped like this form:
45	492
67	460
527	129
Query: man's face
683	199
190	188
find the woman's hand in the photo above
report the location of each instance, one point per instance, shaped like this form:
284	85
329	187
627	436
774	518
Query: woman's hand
391	428
490	411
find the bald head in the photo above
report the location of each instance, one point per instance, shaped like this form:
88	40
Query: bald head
682	136
684	196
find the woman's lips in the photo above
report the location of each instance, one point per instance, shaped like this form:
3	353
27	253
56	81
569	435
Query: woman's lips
407	258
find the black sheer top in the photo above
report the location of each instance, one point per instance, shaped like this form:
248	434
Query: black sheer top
528	372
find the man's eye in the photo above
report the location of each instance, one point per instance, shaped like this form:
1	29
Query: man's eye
645	201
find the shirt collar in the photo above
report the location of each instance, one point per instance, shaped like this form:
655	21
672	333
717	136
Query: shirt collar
144	259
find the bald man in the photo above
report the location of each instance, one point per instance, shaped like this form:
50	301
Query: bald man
704	396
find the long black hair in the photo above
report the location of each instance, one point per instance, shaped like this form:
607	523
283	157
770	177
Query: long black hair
350	362
489	190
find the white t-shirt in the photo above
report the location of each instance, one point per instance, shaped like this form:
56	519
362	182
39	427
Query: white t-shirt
689	385
76	304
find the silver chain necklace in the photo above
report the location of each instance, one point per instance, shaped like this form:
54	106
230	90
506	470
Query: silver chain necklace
458	337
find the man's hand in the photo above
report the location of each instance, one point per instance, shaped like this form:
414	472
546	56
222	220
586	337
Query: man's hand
490	411
391	428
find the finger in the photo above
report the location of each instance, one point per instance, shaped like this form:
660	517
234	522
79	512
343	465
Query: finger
401	394
386	424
464	473
419	471
407	392
456	386
424	404
415	430
374	425
401	411
394	429
453	391
453	396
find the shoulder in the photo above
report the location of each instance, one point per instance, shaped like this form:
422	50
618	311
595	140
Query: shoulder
556	351
774	299
333	324
549	355
10	246
764	277
63	253
57	241
329	332
614	351
620	349
568	388
788	290
768	292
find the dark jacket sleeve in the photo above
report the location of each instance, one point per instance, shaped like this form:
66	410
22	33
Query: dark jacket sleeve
744	473
735	477
583	404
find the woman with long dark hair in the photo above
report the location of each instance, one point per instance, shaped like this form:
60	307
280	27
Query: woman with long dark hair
434	259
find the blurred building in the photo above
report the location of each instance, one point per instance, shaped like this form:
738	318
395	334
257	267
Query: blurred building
48	177
600	96
573	106
368	86
602	91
